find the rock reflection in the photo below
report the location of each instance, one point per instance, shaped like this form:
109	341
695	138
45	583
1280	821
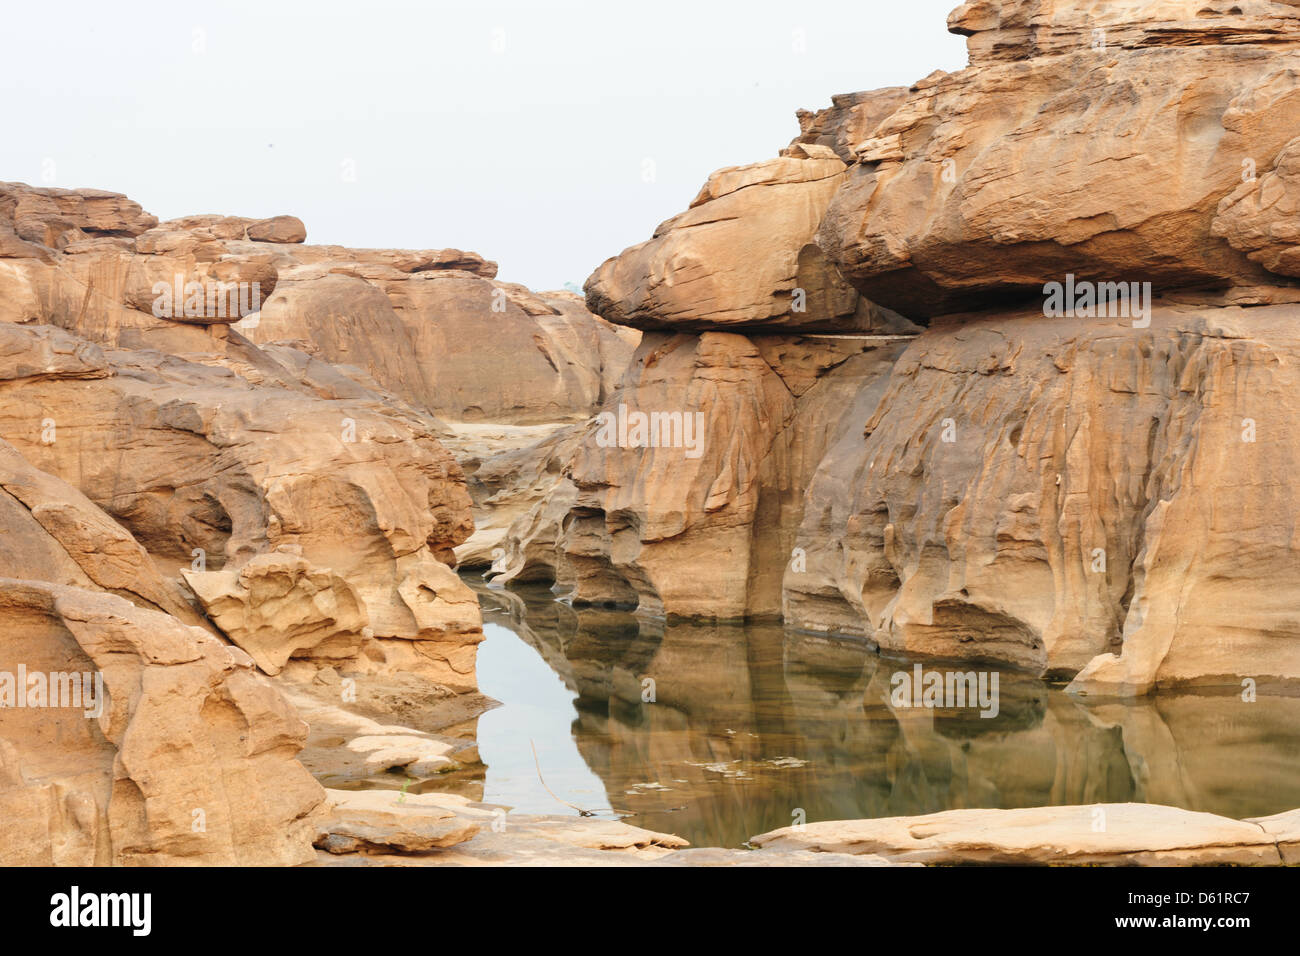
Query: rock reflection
752	725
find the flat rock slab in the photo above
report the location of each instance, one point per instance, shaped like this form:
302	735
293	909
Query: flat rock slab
714	856
1131	834
387	821
1284	828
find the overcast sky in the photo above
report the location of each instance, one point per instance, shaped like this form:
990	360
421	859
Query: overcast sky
525	131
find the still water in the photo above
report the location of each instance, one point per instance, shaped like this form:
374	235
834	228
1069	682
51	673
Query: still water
752	725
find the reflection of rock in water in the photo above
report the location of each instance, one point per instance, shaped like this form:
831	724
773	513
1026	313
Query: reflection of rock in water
751	724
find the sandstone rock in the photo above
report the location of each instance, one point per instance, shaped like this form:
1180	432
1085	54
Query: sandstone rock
54	217
362	728
346	320
225	470
1284	828
188	230
723	499
1020	29
52	532
1034	491
1123	834
521	496
379	262
48	353
1259	217
188	733
388	821
388	828
1107	163
850	119
278	606
454	343
741	256
278	229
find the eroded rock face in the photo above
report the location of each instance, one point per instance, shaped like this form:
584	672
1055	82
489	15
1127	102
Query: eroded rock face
1024	489
1260	217
210	469
1020	29
431	326
742	256
56	217
186	732
279	606
849	120
692	512
454	343
1108	163
1043	491
51	532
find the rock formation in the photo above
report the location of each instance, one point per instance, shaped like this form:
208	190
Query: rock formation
127	736
165	483
833	393
1134	834
1086	492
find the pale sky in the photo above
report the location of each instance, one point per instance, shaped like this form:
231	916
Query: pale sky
524	131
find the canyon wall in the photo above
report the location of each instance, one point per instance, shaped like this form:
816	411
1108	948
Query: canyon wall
903	440
224	468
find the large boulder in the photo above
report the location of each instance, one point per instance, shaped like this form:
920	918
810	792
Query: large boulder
1092	139
741	257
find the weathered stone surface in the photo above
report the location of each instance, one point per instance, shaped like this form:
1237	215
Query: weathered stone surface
51	532
850	119
703	524
1284	828
347	748
1129	834
392	828
188	731
1108	164
513	480
278	229
742	256
48	353
1020	29
388	821
454	343
1260	216
55	217
277	606
226	468
1035	492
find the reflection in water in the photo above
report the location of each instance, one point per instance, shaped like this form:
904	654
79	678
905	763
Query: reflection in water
751	724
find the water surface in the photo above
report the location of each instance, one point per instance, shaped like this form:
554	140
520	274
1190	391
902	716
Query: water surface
752	726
